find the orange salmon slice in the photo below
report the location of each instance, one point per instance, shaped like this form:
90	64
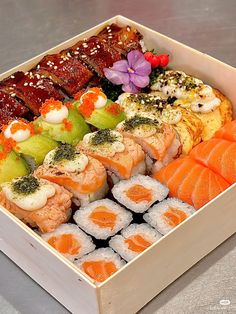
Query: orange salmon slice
137	243
174	216
65	243
99	270
138	193
103	217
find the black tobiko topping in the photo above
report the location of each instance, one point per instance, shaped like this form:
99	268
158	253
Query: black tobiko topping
136	121
64	151
103	136
26	185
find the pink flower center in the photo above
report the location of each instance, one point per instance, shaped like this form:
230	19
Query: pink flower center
130	70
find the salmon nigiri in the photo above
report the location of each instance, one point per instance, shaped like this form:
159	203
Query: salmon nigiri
219	155
191	182
159	140
82	175
228	131
120	155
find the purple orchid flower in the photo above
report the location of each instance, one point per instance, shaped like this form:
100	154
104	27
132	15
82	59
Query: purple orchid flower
132	73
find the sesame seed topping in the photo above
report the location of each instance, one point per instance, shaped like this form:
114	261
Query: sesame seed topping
38	66
25	84
55	67
12	76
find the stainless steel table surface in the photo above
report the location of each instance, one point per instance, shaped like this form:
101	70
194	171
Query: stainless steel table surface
28	27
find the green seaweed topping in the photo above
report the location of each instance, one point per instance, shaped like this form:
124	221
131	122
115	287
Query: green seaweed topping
155	74
136	121
26	185
149	101
103	136
64	152
112	91
177	79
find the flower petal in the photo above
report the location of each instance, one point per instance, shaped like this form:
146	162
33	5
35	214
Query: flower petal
116	77
121	65
138	80
138	63
130	88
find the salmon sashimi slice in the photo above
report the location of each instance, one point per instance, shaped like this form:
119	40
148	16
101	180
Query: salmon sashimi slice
56	211
65	243
123	164
227	132
103	217
219	155
137	243
191	182
90	180
138	193
99	270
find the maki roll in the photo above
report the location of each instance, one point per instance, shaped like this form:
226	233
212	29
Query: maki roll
70	241
134	240
21	136
121	156
102	219
100	264
36	202
139	192
159	140
11	165
84	176
61	122
168	214
98	110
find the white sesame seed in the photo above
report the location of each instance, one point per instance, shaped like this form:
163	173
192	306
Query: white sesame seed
38	66
13	94
55	67
25	84
12	76
76	53
83	56
61	61
98	46
109	31
119	42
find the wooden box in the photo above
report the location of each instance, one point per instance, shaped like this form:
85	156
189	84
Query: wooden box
139	281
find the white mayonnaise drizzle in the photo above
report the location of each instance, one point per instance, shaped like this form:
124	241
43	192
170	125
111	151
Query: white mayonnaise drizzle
56	116
18	136
32	201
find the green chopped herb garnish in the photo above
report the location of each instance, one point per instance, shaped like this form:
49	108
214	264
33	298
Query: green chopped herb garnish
149	101
64	151
103	136
136	121
25	185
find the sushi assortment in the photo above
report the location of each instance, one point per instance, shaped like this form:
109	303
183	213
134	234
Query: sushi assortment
104	150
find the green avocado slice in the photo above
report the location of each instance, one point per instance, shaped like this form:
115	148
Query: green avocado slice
103	119
58	132
12	166
35	148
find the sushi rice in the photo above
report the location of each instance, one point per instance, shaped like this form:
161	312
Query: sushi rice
134	240
103	218
100	264
167	214
139	187
70	241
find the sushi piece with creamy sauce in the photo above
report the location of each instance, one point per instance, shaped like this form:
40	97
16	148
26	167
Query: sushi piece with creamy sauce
37	202
121	156
102	219
139	192
168	214
82	175
70	241
134	240
100	264
159	140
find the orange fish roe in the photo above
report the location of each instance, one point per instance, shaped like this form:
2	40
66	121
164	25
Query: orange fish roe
69	105
65	243
6	146
137	243
99	270
103	217
68	125
138	193
23	126
114	109
174	216
50	104
78	94
87	106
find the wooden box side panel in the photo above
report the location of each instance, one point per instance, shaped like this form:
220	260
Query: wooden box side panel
141	280
53	273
